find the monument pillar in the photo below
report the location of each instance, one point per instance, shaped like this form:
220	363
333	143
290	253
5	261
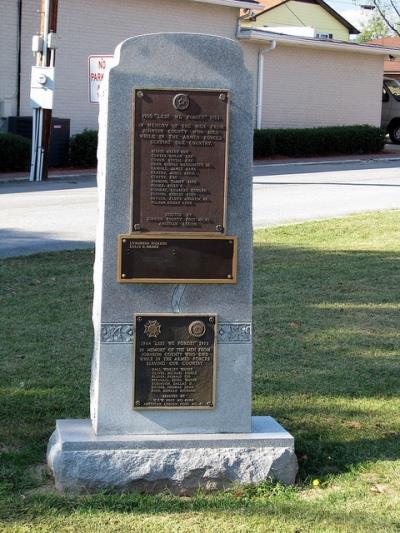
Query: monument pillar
171	370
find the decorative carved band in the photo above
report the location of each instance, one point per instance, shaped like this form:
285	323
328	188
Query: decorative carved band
228	333
117	333
234	333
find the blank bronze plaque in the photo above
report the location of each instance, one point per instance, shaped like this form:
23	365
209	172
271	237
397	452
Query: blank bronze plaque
177	259
174	361
179	160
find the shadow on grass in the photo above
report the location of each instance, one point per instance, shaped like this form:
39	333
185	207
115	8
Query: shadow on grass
268	507
326	352
325	363
324	319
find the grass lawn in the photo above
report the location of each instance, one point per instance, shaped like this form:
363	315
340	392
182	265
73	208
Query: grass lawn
326	365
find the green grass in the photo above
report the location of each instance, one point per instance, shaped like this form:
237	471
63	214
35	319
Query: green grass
326	365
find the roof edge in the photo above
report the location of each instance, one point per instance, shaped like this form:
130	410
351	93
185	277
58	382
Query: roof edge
284	39
352	29
240	4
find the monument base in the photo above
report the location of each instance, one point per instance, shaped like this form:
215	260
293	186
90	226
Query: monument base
83	462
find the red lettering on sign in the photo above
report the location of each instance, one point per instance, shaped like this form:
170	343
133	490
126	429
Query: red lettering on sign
97	76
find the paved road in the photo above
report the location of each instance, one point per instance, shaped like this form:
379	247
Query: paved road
40	217
285	194
60	215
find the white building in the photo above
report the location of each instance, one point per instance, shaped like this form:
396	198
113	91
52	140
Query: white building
306	82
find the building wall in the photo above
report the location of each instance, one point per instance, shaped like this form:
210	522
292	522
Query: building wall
8	57
95	27
306	87
302	87
295	13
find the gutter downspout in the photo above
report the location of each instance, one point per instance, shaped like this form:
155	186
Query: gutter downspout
260	81
248	15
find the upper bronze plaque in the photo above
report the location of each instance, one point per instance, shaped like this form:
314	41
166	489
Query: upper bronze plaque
179	160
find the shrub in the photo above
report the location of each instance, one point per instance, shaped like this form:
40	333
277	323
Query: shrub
264	143
15	152
303	142
83	149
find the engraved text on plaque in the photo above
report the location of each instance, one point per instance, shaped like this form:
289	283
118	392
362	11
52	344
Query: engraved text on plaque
181	259
174	361
179	160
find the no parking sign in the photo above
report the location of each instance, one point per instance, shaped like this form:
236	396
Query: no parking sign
97	68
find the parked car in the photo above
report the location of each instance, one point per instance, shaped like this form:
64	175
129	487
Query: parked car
390	121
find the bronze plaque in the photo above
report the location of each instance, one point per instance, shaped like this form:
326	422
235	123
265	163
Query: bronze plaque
177	259
179	160
174	361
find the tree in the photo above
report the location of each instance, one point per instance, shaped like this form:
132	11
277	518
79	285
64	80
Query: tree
388	12
374	28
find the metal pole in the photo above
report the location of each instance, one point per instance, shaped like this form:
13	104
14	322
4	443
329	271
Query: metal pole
48	61
32	174
41	121
41	172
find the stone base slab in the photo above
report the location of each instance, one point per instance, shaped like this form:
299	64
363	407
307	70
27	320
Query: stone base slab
83	462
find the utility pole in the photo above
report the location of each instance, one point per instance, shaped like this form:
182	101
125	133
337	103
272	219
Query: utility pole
42	88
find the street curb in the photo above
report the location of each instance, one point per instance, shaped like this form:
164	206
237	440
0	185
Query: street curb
51	178
327	162
286	164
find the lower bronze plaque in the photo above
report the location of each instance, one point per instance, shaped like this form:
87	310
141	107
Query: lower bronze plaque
174	361
180	259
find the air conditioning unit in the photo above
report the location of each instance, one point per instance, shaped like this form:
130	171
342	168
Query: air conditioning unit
324	36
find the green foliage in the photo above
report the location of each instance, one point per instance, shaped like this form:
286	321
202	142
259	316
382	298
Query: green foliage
374	28
305	142
15	152
83	149
385	16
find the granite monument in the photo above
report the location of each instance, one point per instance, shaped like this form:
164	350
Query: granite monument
172	312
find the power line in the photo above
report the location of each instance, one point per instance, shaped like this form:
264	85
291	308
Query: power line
301	22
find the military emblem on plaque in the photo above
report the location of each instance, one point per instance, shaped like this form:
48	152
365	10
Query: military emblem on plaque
181	102
174	361
152	328
197	328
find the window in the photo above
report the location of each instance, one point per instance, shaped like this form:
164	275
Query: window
385	95
393	86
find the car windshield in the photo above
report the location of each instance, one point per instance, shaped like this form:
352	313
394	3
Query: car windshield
393	87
